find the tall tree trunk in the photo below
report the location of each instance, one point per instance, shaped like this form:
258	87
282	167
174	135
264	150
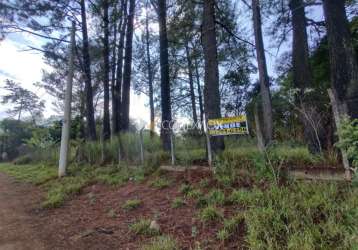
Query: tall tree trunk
266	105
191	83
91	125
113	74
198	87
118	86
302	74
127	71
150	73
164	73
211	88
344	68
106	129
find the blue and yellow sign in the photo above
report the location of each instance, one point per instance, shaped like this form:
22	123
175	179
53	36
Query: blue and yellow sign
228	126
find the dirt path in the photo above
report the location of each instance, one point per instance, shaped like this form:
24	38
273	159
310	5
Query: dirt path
18	228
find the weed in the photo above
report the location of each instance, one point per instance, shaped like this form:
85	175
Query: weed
131	204
161	243
216	197
160	183
142	227
185	189
230	227
195	194
210	213
178	202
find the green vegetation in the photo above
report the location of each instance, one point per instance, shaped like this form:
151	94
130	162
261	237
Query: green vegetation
131	204
160	183
302	216
230	227
210	213
178	202
59	190
161	243
35	174
142	227
216	197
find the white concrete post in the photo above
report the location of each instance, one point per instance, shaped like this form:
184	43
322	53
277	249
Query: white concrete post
65	137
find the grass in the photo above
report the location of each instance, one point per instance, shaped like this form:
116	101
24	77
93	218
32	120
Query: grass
161	243
35	174
131	204
230	227
185	189
216	197
59	190
178	202
160	183
302	216
210	214
142	227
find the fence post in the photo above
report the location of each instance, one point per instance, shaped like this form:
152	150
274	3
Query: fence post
65	136
172	148
208	144
141	146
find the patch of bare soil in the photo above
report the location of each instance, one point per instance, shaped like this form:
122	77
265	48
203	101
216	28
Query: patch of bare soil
96	220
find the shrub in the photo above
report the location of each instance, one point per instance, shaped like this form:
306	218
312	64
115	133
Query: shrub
210	213
162	243
142	227
349	134
131	204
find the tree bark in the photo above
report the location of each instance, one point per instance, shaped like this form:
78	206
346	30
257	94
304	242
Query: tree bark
127	71
119	73
344	68
265	94
106	129
165	131
191	83
91	125
211	88
150	74
200	95
302	74
113	74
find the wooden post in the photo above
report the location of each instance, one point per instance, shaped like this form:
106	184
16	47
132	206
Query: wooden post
172	148
337	118
141	146
65	137
208	144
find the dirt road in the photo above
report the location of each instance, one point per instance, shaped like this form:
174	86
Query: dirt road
18	228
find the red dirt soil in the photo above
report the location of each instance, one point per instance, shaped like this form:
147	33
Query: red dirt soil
96	220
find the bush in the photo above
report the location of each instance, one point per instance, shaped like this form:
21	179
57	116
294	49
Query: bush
349	135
